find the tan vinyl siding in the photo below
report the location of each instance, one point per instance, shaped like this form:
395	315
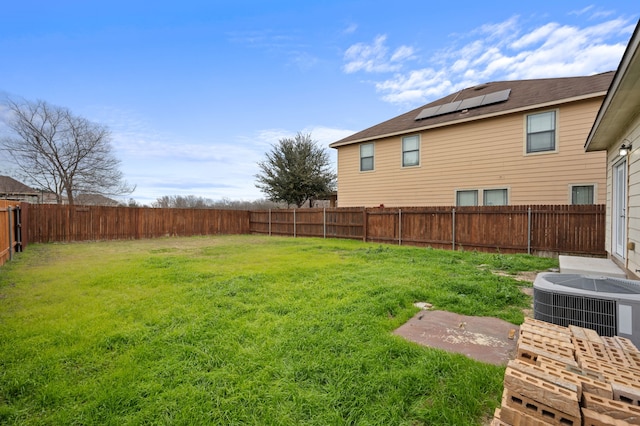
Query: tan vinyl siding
483	154
611	156
633	195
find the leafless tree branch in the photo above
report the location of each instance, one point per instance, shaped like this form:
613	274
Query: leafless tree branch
60	152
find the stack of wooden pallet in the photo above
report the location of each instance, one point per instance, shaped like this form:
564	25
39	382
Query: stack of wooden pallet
570	376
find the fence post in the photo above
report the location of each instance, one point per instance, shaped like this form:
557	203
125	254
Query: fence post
10	234
324	222
453	228
364	224
399	227
529	230
294	223
17	226
269	222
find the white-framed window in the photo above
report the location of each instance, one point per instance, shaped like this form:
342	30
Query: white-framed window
495	197
482	197
366	157
467	197
582	194
541	132
411	151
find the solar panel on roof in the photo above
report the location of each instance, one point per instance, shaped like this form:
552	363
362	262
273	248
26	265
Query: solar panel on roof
476	101
450	107
471	102
428	112
495	97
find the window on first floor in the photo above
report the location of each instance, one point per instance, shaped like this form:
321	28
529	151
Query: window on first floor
411	151
495	197
467	198
541	132
366	157
582	194
490	197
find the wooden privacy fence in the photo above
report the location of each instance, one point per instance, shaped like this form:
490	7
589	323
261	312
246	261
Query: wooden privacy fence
52	222
10	230
534	229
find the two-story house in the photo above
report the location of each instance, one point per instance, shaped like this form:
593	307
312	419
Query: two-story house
499	143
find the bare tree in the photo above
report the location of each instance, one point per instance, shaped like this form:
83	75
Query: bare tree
61	152
296	170
260	204
195	202
182	202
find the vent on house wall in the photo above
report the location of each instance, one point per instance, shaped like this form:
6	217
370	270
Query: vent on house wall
475	102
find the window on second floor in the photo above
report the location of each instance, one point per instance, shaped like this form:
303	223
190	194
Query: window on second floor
582	194
366	157
541	132
411	151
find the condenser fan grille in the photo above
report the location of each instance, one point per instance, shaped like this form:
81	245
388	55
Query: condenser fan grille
582	311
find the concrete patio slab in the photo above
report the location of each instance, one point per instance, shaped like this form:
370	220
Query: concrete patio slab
484	339
590	266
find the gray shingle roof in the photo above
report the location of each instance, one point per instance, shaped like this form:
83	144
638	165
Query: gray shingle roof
9	185
525	94
94	200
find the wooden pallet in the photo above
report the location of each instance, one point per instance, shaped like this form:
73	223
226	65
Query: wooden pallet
570	376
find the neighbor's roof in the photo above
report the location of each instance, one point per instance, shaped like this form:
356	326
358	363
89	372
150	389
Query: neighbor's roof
9	185
521	95
94	200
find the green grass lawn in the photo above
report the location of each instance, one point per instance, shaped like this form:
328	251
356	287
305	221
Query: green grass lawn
244	330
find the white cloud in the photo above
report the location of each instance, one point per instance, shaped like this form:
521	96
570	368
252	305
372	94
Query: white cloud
500	31
402	53
415	85
303	60
534	36
375	57
503	51
581	11
602	14
350	29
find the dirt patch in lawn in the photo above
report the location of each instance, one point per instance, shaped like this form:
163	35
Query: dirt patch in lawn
528	276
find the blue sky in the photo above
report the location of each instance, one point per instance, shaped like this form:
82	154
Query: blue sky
196	92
